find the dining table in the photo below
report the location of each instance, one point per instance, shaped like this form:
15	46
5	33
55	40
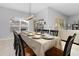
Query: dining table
40	45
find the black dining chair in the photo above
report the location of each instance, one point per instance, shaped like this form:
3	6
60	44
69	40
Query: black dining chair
15	39
27	50
18	45
20	50
67	50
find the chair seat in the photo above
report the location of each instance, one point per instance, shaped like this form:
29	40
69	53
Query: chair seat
29	52
54	52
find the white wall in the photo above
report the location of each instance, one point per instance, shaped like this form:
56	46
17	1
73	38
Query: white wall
73	19
49	16
5	15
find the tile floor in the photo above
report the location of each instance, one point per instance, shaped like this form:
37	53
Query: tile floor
74	50
6	47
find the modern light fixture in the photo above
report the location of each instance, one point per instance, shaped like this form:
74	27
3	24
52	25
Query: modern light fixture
31	16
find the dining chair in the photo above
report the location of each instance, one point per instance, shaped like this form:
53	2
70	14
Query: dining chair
17	45
67	50
20	50
27	50
15	39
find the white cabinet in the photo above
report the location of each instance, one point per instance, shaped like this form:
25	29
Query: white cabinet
63	34
18	24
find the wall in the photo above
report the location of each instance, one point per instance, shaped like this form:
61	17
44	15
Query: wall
49	16
5	15
43	14
52	14
73	19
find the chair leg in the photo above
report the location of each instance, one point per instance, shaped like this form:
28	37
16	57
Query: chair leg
15	53
69	54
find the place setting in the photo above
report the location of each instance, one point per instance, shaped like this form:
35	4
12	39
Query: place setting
42	36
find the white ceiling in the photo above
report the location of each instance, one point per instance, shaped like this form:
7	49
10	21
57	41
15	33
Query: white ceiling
65	8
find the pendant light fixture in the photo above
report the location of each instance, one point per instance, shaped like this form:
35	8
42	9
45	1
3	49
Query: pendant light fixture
31	16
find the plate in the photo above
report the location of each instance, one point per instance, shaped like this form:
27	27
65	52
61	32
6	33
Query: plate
48	37
38	33
36	36
30	34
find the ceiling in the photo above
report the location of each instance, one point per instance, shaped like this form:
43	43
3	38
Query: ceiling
65	8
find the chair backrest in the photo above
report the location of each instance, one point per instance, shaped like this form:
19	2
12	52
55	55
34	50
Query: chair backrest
18	46
68	45
15	39
22	53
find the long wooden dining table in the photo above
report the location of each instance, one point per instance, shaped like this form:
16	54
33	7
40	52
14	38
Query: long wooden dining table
40	46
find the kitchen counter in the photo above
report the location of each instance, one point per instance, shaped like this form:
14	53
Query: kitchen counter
63	34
